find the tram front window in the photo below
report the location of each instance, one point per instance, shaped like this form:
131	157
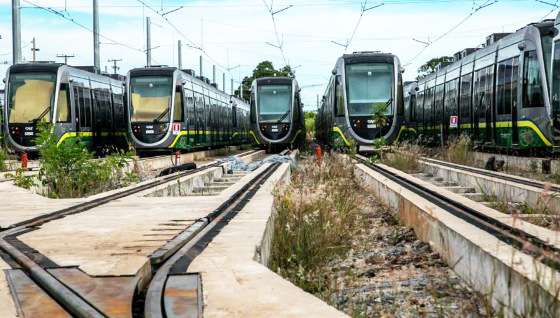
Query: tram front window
151	99
31	97
274	103
369	87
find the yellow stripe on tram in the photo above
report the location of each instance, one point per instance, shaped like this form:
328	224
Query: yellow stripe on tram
337	130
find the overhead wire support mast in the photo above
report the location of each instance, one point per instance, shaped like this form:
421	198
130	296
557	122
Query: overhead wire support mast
65	57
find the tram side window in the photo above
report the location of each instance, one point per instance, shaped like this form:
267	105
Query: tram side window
62	107
82	99
465	98
190	107
483	91
506	88
428	114
440	91
119	116
451	98
419	107
178	107
340	101
532	82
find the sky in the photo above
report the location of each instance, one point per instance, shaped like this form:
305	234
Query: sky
237	35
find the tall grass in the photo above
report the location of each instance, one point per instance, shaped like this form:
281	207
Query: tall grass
317	216
459	151
406	161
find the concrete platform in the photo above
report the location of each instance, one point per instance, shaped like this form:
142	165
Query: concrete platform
506	191
235	281
517	283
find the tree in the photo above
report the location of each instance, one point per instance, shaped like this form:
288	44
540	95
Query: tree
431	65
263	69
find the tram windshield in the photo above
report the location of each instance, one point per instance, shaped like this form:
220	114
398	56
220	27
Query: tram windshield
151	99
31	97
370	88
274	102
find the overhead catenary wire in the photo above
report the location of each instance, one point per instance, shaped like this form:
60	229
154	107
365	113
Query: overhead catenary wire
72	20
453	28
279	43
364	9
190	43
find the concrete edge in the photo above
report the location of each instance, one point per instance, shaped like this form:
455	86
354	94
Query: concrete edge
517	283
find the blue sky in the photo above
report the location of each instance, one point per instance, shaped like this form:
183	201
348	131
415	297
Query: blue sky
235	33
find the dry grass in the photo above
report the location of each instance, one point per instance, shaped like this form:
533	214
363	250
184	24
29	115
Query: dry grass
317	215
459	151
403	160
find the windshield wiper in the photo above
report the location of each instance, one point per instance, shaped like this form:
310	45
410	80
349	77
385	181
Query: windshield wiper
158	118
388	103
43	114
283	117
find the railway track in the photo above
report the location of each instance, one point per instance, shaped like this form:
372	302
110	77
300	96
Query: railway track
162	290
541	250
497	175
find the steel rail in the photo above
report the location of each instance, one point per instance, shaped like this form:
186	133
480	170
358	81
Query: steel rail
196	239
68	299
88	205
521	240
493	174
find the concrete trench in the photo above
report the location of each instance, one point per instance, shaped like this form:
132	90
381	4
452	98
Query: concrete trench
516	283
503	190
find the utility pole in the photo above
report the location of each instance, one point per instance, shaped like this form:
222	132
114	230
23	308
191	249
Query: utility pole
115	67
148	43
214	74
16	32
224	82
96	56
34	49
231	87
66	57
200	66
179	55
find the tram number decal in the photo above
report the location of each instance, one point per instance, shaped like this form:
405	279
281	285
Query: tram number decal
454	122
176	128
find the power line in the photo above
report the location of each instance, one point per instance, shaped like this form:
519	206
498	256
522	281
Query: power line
279	43
190	43
430	43
63	16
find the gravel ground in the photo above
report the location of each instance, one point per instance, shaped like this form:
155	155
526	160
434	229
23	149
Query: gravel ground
389	273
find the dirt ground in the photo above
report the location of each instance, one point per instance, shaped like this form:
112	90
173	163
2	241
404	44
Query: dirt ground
378	268
389	273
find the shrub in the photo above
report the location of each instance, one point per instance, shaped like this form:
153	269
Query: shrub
69	170
3	158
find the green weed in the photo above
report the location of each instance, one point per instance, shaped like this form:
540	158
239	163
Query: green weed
69	170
